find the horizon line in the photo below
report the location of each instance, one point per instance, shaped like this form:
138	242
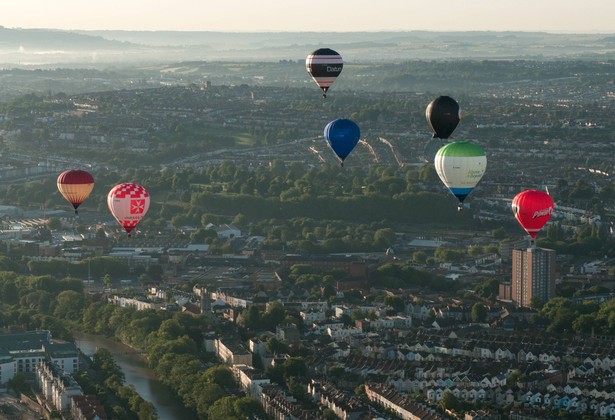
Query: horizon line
269	31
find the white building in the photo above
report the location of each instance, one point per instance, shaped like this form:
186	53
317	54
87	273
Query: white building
228	231
56	386
26	349
337	334
8	367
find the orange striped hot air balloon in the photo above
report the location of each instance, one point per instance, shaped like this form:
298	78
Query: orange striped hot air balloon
75	186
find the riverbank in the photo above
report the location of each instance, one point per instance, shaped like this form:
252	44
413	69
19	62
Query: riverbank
138	374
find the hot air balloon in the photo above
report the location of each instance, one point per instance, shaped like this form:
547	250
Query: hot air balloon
324	65
431	148
532	209
460	165
75	186
128	203
443	114
342	135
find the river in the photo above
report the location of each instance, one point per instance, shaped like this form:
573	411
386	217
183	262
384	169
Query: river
138	374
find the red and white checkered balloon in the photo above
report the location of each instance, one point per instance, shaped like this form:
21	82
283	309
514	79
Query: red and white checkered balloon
128	203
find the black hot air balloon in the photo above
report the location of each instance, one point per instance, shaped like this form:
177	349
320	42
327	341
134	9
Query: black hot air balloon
324	65
443	114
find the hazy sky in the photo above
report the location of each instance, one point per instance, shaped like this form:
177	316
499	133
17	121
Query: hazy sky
314	15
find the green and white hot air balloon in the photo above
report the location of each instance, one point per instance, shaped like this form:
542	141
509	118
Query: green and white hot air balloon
460	165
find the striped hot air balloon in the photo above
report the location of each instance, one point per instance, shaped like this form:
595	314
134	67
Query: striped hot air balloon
324	65
460	165
75	186
128	203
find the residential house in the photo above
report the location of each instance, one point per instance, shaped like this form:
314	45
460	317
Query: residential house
232	352
87	407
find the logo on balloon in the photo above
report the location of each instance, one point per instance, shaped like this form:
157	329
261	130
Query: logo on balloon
475	173
544	212
137	206
333	69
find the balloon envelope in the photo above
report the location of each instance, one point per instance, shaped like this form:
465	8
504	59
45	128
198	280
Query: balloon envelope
460	165
324	65
342	135
532	209
443	114
128	203
431	148
75	186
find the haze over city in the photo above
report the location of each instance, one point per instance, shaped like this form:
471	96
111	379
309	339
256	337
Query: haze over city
592	16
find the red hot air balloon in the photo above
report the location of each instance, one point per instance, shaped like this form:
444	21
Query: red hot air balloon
128	203
532	209
75	186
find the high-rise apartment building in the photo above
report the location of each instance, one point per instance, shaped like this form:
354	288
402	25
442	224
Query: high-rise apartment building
533	275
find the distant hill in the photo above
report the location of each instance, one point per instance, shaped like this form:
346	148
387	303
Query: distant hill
48	39
56	47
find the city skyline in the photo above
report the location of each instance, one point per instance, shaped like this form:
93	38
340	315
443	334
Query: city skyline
592	16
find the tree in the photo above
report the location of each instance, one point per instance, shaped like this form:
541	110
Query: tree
250	318
220	375
513	378
499	233
53	223
360	390
249	408
19	384
419	257
357	314
329	414
202	236
383	238
107	281
449	401
396	302
449	255
479	312
70	305
205	395
240	220
487	289
274	315
276	346
294	367
584	324
536	302
235	408
475	250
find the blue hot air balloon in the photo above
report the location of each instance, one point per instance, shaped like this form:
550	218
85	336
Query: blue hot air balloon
342	135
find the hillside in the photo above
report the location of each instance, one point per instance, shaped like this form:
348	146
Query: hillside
47	47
